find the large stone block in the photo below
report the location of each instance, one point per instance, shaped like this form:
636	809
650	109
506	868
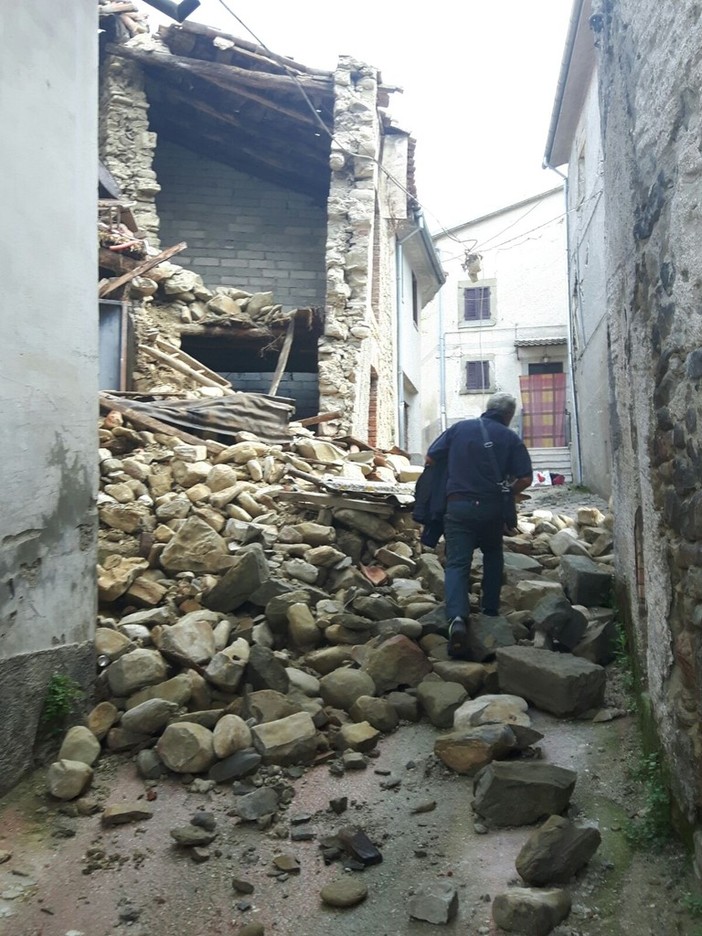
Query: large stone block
249	570
554	682
556	851
585	582
291	740
516	794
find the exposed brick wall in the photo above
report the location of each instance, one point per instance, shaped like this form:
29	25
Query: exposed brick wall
241	231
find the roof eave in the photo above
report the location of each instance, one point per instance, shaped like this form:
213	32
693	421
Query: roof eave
577	66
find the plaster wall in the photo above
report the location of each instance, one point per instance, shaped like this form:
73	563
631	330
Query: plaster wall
523	250
589	314
650	73
48	364
240	230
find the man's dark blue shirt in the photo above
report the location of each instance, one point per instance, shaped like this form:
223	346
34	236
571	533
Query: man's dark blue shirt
470	466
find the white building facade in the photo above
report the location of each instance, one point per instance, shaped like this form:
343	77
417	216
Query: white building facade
574	143
501	323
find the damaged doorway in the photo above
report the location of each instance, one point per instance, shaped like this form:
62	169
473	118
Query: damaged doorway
249	364
543	394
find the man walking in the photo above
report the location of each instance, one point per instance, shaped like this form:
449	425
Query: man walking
483	457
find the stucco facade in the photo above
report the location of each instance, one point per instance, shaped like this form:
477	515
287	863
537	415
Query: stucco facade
574	145
48	364
522	269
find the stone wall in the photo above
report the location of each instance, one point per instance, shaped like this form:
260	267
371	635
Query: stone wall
240	230
650	81
126	143
345	353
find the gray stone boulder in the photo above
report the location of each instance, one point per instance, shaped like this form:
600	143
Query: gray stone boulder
136	670
529	593
231	734
375	607
599	642
80	744
585	582
486	635
439	700
553	682
470	749
516	794
225	672
247	570
434	902
291	740
178	689
556	617
190	638
302	627
556	851
397	661
431	574
265	671
358	736
186	747
196	548
342	687
327	659
149	717
253	806
371	526
530	912
470	675
380	713
236	766
67	779
492	709
566	543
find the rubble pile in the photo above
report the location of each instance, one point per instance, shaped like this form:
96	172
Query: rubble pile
271	607
237	617
172	298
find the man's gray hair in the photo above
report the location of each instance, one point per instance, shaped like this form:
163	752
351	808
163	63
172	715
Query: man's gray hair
503	403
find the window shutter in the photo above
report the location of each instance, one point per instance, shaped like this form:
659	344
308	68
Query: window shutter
478	375
476	303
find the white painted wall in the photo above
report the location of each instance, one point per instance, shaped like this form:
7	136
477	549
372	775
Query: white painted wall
523	250
48	360
588	285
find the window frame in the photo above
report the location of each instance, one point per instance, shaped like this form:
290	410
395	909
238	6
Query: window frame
491	319
488	364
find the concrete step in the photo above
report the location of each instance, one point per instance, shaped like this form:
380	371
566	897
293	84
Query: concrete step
554	460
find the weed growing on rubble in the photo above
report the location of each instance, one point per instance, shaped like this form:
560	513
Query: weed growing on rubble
651	828
61	695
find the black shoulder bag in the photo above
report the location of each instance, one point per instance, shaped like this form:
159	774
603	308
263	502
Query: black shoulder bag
509	507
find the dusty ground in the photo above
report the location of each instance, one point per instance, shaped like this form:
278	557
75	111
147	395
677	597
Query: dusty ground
137	882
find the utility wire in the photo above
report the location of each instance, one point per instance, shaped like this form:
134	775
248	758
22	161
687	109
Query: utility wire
281	61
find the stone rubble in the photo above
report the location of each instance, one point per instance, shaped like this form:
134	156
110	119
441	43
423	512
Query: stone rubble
241	633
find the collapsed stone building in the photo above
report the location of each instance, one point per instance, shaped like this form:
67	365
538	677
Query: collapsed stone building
284	182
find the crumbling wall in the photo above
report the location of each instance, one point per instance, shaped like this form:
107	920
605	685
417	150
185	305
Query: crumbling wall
242	231
650	81
345	351
126	143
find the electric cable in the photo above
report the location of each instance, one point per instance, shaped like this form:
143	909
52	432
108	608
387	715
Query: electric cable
281	61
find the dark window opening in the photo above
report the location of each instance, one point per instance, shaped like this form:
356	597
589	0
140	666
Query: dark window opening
476	303
249	365
546	367
478	375
415	300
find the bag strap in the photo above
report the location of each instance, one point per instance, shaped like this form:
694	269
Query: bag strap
488	444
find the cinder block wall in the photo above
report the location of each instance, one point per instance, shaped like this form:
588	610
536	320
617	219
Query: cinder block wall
301	387
240	230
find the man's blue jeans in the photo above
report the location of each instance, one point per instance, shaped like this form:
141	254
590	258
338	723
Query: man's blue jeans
471	525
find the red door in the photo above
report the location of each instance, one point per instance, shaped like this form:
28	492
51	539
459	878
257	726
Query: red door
543	410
